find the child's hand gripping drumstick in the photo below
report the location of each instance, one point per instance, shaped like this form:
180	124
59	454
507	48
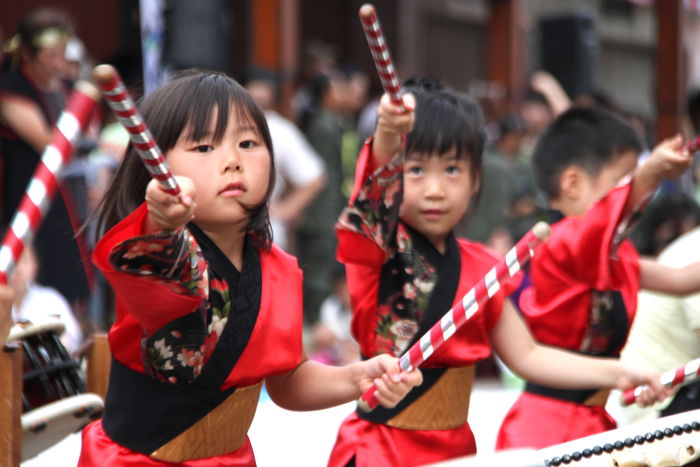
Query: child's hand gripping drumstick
673	378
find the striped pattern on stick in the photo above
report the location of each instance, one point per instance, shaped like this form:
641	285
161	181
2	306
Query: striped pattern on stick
682	375
487	287
47	176
694	145
380	53
123	107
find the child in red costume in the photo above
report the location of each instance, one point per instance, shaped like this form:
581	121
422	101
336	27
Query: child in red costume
405	269
586	276
207	307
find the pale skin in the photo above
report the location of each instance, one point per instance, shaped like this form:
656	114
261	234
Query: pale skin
510	337
216	180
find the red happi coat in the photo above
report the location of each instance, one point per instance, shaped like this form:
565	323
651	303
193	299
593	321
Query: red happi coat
581	258
147	304
366	248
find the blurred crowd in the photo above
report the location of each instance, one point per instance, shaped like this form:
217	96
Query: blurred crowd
333	112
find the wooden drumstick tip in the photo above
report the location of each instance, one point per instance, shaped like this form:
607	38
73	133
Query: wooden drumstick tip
88	89
367	10
103	73
541	230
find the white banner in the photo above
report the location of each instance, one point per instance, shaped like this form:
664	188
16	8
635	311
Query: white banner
152	37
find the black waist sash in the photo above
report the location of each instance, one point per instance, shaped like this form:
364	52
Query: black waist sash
440	302
143	413
578	396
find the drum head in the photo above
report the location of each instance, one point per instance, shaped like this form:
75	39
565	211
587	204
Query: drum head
47	425
24	329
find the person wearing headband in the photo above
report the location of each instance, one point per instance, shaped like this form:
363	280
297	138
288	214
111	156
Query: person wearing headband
32	96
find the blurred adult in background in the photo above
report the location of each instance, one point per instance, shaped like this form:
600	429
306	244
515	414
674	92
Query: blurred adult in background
319	58
299	169
33	93
316	237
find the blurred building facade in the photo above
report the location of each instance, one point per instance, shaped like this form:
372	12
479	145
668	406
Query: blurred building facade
612	45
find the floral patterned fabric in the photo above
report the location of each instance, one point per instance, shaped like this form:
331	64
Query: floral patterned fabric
407	278
178	351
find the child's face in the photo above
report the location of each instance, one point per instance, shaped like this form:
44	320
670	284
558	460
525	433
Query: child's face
228	175
610	175
437	190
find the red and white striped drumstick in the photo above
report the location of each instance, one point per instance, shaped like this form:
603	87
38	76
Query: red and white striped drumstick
124	108
380	53
47	175
472	301
682	375
693	145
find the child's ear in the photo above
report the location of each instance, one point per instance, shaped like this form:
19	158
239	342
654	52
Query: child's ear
475	185
571	183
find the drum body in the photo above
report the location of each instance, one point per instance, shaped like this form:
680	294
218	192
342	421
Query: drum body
55	402
49	373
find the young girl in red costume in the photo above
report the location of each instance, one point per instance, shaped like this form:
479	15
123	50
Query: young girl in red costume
207	307
405	269
586	276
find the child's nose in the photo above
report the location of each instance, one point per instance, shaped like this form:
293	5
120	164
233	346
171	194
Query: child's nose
232	161
434	187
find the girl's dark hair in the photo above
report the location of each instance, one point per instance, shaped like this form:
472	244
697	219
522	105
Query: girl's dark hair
589	138
186	104
445	120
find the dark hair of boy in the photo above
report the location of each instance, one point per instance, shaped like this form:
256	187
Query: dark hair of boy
588	138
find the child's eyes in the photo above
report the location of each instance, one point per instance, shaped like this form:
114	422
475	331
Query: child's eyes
203	148
415	170
247	144
452	170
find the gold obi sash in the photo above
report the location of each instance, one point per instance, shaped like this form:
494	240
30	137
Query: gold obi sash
442	407
221	431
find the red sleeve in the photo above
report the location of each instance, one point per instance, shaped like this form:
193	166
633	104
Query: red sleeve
363	168
373	210
583	246
153	302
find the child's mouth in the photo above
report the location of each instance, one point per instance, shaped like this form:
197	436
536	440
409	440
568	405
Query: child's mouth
433	213
232	190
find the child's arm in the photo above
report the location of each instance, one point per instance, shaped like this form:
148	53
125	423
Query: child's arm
549	366
658	277
314	386
392	124
667	160
168	212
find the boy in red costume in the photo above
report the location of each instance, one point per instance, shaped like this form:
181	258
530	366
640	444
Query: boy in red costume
585	278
